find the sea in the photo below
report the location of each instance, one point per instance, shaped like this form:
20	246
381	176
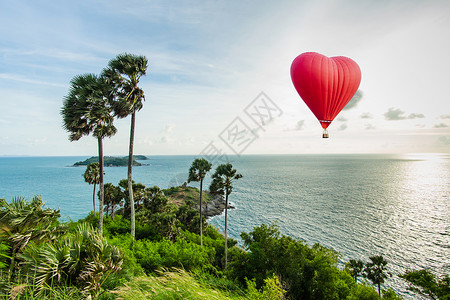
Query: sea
395	205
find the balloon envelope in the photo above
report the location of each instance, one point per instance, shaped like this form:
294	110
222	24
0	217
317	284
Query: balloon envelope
325	84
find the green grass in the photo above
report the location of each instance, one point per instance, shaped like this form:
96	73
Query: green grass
177	284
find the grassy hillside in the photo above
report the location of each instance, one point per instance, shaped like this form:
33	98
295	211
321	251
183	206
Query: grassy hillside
181	195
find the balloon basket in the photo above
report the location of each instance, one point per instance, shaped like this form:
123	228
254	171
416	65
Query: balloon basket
325	134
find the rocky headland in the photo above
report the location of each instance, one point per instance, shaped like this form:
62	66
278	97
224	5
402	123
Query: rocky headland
215	207
212	205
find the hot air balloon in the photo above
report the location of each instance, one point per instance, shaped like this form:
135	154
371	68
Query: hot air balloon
325	84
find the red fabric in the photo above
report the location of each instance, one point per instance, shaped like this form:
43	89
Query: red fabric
325	84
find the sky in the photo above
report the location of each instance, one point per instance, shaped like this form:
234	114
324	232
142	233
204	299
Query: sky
218	79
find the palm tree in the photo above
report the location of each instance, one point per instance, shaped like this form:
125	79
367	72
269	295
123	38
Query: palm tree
113	198
197	172
222	183
92	176
124	72
138	195
87	109
375	271
354	268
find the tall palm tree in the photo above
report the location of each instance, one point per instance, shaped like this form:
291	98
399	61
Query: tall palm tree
92	176
375	271
87	109
124	72
197	172
355	268
222	183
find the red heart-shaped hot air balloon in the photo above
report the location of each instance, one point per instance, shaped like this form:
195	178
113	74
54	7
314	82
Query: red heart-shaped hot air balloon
325	84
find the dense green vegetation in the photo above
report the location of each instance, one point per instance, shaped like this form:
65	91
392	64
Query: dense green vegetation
41	258
111	161
426	284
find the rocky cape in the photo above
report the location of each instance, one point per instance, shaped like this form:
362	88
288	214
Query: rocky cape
215	207
212	205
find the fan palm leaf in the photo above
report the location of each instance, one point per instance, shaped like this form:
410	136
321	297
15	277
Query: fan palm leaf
83	258
23	222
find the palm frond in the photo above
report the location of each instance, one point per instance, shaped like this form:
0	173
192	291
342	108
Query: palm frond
88	107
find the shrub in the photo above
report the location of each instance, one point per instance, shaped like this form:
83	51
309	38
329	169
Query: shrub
25	222
130	267
165	254
363	292
83	258
4	250
426	284
391	295
271	290
308	272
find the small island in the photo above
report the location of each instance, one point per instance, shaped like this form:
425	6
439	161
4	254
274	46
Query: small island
112	161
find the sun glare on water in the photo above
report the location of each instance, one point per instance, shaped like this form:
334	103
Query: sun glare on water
426	209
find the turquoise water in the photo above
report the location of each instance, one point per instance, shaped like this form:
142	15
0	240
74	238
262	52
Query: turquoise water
360	205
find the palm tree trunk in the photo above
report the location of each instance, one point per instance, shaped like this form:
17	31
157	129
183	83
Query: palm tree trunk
226	237
201	219
100	162
130	175
379	291
93	197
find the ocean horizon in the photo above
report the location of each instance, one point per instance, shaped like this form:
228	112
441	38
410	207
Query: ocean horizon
396	205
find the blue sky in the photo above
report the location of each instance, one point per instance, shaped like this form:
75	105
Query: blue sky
208	60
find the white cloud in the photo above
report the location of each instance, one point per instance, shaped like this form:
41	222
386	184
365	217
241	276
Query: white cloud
366	115
343	127
397	114
443	141
354	101
23	79
440	125
168	129
300	125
